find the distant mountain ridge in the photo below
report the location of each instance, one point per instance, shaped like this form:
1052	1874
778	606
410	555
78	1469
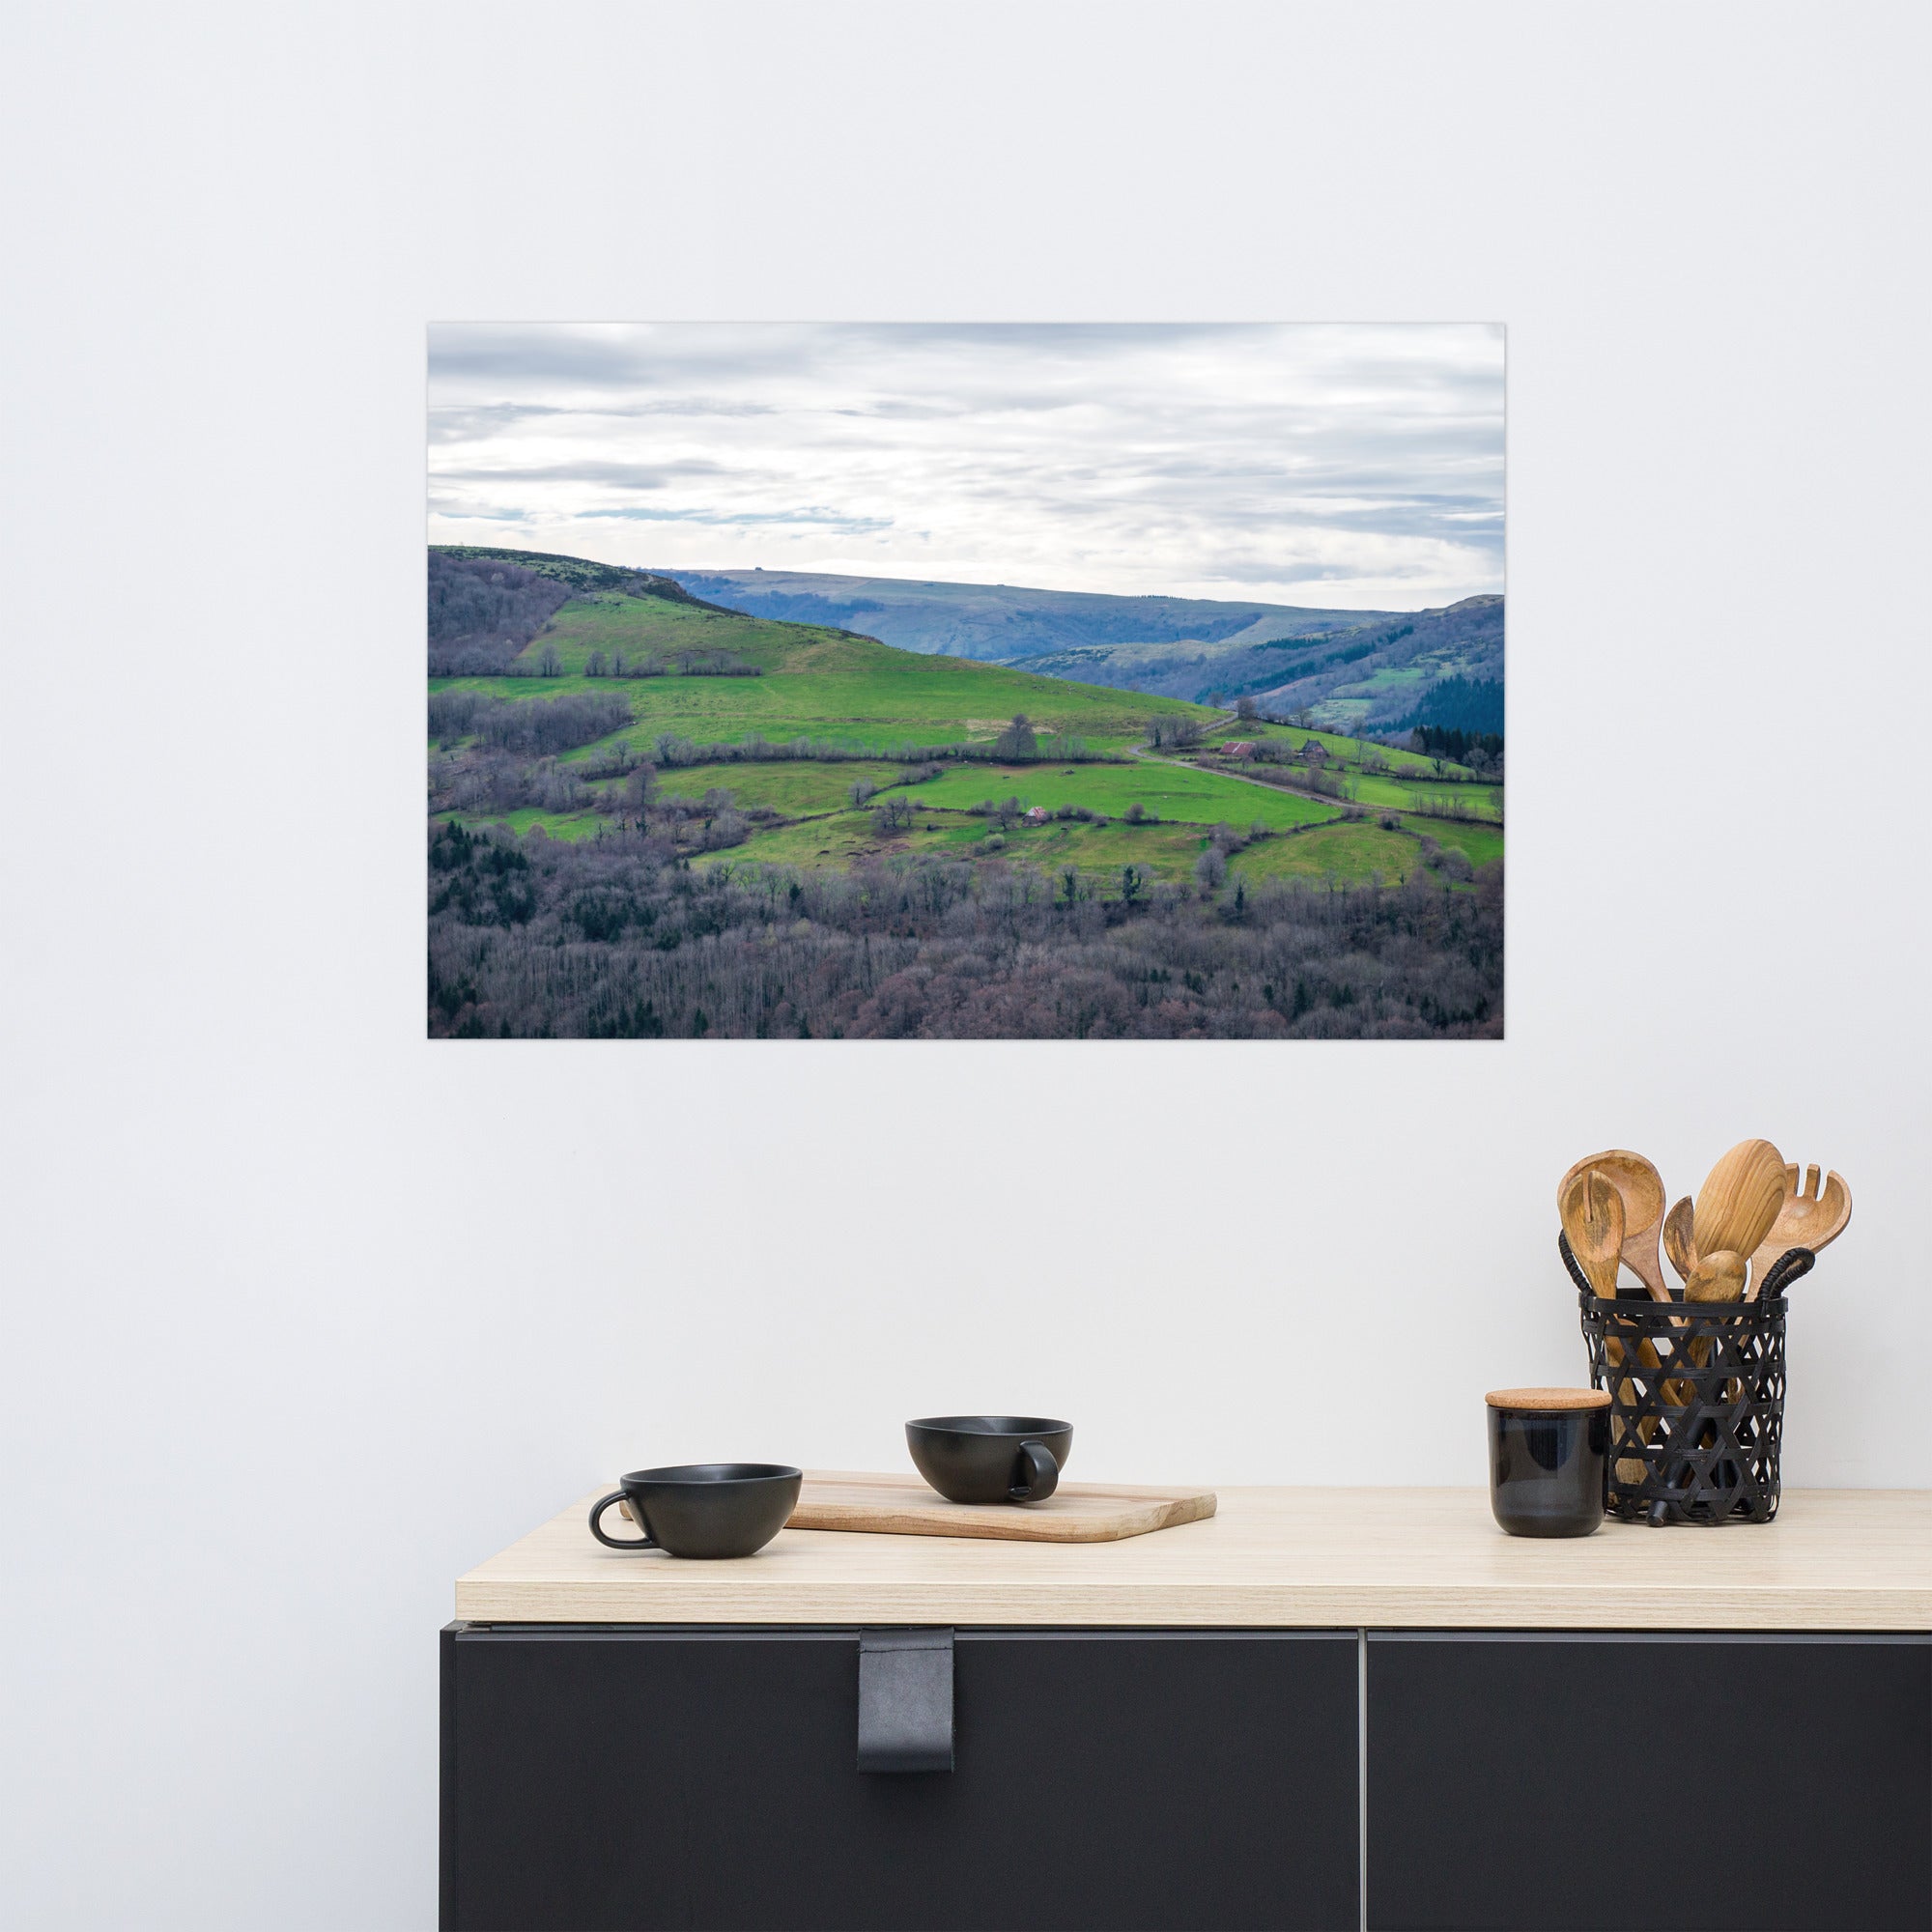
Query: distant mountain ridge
1382	673
1379	669
999	622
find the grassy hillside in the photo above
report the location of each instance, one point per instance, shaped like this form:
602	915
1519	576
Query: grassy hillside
815	682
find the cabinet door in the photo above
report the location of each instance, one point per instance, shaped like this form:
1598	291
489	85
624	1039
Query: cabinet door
1620	1783
606	1778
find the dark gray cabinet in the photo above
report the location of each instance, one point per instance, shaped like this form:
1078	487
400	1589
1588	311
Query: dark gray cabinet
609	1776
1581	1783
606	1778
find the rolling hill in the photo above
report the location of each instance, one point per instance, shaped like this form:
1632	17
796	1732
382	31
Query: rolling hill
1349	668
810	680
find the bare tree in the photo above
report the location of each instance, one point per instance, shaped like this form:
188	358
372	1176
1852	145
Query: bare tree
1017	740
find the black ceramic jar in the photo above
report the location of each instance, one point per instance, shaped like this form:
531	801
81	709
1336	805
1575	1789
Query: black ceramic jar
1549	1458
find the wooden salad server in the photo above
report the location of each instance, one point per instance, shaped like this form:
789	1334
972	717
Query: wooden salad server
1641	1187
1592	1210
1809	1216
1593	1218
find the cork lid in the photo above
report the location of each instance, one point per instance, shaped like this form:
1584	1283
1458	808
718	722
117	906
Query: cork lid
1548	1401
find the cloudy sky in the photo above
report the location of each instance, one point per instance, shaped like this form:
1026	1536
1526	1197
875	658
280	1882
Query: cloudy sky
1355	466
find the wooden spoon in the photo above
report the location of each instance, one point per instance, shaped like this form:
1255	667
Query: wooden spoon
1642	1190
1740	1199
1593	1218
1808	1217
1680	1238
1717	1277
1680	1243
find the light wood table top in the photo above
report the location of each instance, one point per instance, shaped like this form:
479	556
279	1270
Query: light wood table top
1835	1559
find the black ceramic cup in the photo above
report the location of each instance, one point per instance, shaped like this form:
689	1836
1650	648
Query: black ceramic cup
703	1508
1549	1459
990	1459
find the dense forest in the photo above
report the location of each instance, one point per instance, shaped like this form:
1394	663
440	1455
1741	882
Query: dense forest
486	605
622	937
1464	710
1457	745
482	612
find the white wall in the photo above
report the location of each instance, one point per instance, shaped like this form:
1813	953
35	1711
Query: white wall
305	1314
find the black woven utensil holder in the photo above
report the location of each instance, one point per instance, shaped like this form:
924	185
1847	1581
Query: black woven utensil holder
1696	1399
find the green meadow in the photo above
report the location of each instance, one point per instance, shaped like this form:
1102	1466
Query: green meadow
1369	788
1482	842
1097	852
1351	854
795	788
1166	791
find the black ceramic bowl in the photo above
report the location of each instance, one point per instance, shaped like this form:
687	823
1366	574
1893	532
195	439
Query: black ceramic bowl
1549	1451
703	1509
990	1459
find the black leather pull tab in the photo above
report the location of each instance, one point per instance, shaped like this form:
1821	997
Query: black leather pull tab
905	1700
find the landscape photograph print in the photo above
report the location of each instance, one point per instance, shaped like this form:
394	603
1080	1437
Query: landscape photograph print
923	681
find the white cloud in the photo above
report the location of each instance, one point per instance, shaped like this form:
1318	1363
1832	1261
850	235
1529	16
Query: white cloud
1357	465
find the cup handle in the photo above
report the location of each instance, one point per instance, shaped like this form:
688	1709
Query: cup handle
597	1509
1041	1474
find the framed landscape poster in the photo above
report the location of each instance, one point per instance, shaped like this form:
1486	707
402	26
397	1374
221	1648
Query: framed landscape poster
1041	681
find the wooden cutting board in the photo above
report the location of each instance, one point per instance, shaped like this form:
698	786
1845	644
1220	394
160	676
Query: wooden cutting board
1075	1513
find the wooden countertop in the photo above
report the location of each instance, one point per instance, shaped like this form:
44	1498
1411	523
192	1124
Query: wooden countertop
1835	1559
